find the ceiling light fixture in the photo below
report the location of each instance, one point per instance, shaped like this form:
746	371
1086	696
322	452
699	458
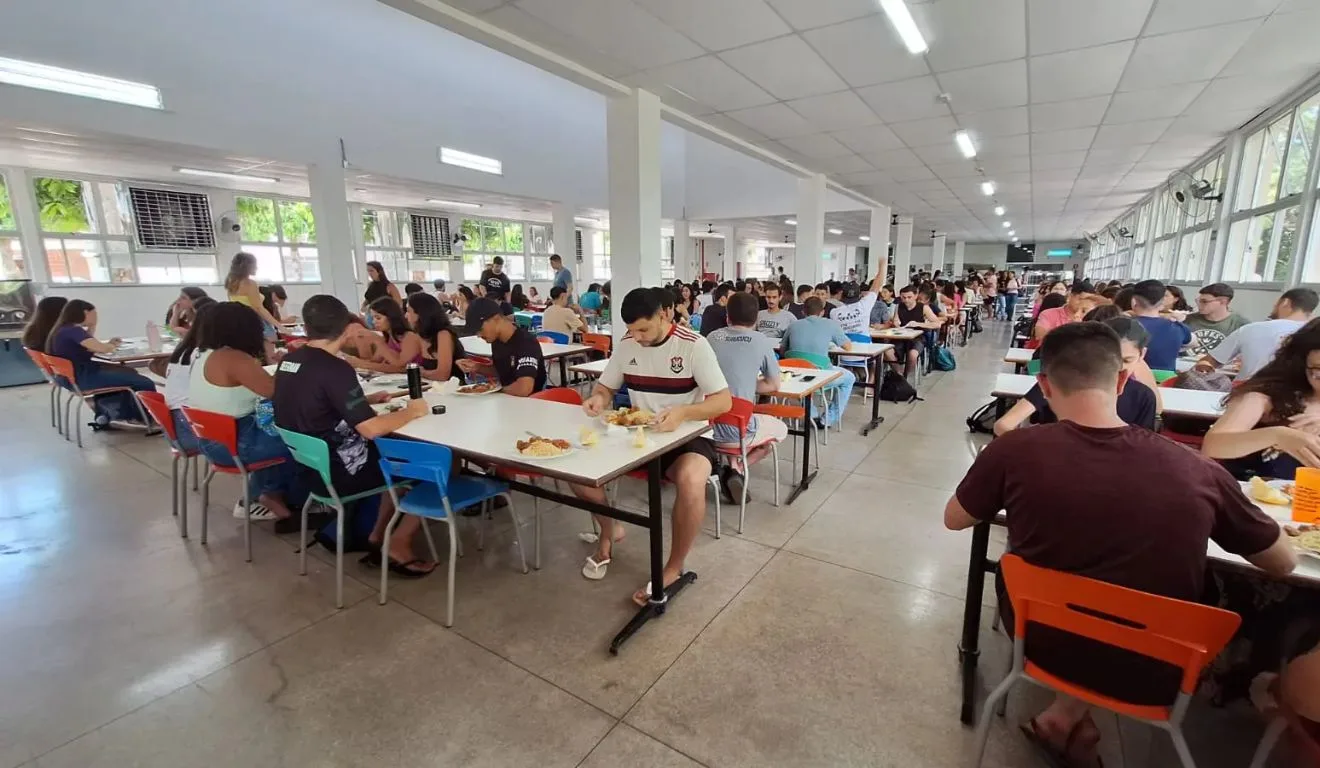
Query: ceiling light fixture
226	175
901	18
468	160
836	231
1015	239
587	219
1005	224
791	222
360	191
987	188
1012	234
965	145
999	210
865	238
452	203
30	74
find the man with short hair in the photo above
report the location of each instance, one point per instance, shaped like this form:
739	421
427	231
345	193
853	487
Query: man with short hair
747	359
1155	545
714	316
559	317
1213	321
910	313
798	309
318	394
1081	299
814	335
705	299
563	277
518	364
1255	343
1167	338
773	321
497	283
671	371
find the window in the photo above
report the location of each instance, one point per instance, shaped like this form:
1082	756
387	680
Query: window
281	233
1197	237
485	239
600	255
84	231
12	264
758	263
667	258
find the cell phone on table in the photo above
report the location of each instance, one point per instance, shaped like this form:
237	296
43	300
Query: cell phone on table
811	377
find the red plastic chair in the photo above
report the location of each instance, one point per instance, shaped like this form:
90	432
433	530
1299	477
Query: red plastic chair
154	403
39	360
738	417
1186	635
62	367
601	342
223	429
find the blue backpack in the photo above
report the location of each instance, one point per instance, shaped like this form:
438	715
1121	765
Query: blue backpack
942	359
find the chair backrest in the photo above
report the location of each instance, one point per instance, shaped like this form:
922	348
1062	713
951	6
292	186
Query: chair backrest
1186	635
39	360
819	361
601	342
566	395
797	362
1163	376
216	427
738	416
154	404
863	338
523	321
311	452
1033	367
415	460
60	366
552	337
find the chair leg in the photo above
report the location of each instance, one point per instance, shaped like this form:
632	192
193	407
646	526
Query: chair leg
536	532
774	455
517	536
449	585
197	460
54	410
174	486
302	538
339	554
715	484
206	502
1272	733
987	716
77	420
430	540
1180	746
247	518
385	552
183	501
68	404
747	479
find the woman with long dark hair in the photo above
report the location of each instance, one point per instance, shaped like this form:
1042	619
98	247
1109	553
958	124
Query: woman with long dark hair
441	346
43	320
401	345
462	298
518	299
180	314
378	287
74	338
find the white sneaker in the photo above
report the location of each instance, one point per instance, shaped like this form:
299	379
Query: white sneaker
259	511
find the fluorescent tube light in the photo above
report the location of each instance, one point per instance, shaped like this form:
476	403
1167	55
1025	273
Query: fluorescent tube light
901	18
586	219
1011	233
836	231
865	238
452	203
964	142
1005	224
226	175
999	210
791	222
29	74
987	188
1015	239
468	160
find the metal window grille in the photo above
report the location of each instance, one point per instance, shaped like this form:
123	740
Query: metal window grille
430	237
170	220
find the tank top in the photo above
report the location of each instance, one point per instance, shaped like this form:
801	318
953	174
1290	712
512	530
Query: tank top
917	314
240	299
396	345
231	401
430	363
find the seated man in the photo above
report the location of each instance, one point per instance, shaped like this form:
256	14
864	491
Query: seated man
1255	343
910	313
713	317
1155	543
671	371
773	321
318	394
747	359
519	365
813	335
559	316
1167	337
798	308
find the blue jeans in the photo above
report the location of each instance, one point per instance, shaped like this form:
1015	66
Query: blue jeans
119	406
255	445
1010	302
841	388
183	433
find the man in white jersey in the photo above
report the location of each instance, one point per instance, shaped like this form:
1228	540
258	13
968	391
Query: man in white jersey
671	371
854	315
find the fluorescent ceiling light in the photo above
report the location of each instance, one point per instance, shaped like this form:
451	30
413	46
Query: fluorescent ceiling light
360	191
1015	239
468	160
1012	234
901	18
226	175
1005	224
587	219
964	142
865	238
47	78
452	203
791	222
836	231
987	187
999	210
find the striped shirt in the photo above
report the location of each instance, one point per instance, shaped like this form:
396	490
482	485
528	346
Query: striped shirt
680	370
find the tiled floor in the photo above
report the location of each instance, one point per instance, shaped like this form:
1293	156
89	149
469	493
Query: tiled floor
824	635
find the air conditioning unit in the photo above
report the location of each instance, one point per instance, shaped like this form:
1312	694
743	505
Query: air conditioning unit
172	221
430	237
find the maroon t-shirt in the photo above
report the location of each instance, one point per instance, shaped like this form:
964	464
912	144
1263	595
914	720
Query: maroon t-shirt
1124	505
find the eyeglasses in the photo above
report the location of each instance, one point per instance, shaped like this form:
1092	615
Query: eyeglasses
1203	300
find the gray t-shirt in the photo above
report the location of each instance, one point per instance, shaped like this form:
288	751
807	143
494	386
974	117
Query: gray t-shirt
881	312
1206	335
774	324
563	278
743	354
813	334
1255	343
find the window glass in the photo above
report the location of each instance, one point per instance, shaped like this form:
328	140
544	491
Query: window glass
513	238
1267	172
1193	250
1311	274
62	205
297	222
1248	249
600	254
116	213
472	266
472	231
1287	234
257	217
492	237
269	263
12	263
6	209
1301	147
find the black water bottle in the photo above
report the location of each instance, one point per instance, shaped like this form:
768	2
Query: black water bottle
414	381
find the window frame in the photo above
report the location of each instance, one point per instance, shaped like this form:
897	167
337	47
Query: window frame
13	235
281	242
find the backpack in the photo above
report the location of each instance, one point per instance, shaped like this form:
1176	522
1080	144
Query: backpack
896	389
982	420
1025	326
942	359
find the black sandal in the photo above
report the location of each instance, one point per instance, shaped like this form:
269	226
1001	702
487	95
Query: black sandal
1053	755
402	569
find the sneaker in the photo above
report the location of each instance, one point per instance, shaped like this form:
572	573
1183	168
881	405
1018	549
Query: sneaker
731	486
259	511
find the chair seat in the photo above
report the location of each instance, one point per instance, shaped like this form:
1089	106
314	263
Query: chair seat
464	491
253	467
179	452
731	449
105	391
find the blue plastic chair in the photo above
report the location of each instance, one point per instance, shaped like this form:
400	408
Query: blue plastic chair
695	321
861	338
553	336
435	497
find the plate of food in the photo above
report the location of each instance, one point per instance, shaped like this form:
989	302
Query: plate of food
478	389
628	417
1304	538
390	379
538	448
1274	492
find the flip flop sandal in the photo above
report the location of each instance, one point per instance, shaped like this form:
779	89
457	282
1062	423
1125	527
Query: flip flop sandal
595	570
372	558
590	538
647	590
1053	755
402	570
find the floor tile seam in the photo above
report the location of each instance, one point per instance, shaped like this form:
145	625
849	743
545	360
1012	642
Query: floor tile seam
890	579
622	724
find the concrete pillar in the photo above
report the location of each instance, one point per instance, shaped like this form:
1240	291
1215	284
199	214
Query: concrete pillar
879	241
633	142
810	229
334	231
360	248
937	253
683	267
959	252
562	229
727	248
23	201
902	251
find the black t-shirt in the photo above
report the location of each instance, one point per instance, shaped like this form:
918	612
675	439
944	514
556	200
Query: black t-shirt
497	286
318	394
518	357
797	310
1136	405
714	318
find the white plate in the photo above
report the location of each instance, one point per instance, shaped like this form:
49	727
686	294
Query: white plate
611	425
383	408
571	450
476	394
390	380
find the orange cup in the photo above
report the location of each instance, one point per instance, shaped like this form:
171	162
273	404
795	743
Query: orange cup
1306	496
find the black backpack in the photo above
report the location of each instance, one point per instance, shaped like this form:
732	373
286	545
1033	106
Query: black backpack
896	389
982	420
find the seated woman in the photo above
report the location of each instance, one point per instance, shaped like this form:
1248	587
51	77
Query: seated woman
273	298
519	299
1137	403
74	338
178	375
441	347
226	377
179	316
43	321
401	346
534	296
1271	421
462	298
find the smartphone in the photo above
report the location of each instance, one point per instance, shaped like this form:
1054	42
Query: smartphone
812	377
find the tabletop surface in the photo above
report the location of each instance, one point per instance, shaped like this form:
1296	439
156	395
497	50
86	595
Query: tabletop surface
901	334
474	345
795	387
1018	355
862	349
137	349
1178	402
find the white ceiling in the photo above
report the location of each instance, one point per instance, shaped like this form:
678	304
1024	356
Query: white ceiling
1078	107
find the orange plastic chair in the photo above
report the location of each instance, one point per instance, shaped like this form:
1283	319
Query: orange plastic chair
601	342
223	429
154	403
1186	635
797	362
39	360
62	367
738	417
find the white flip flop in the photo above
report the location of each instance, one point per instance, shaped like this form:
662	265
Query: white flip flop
595	570
590	538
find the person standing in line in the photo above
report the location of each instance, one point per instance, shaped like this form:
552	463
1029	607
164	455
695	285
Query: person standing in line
563	277
1011	288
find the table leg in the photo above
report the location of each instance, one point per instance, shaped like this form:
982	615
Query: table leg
563	371
969	648
660	594
876	418
807	474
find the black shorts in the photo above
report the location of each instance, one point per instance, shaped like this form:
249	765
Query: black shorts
903	348
700	446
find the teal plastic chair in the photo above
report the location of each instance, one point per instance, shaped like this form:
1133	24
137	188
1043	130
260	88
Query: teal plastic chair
820	361
1163	376
523	321
1033	367
313	453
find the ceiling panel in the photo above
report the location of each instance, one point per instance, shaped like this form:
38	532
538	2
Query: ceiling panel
874	138
924	133
835	111
866	51
1285	44
998	122
967	33
1078	74
1128	134
1060	25
905	100
942	153
809	14
774	120
712	82
786	67
620	29
818	145
987	87
1062	115
717	26
841	164
1184	57
1058	160
1048	142
894	158
1178	15
1169	101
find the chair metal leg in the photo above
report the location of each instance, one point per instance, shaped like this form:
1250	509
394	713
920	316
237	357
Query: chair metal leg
430	540
206	502
1180	746
339	553
68	404
174	486
536	532
1272	733
774	455
77	420
747	479
197	460
715	484
54	409
385	551
247	517
987	716
517	537
449	585
183	501
302	538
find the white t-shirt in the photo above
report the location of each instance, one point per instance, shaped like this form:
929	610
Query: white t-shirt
176	384
704	300
855	318
1255	343
681	370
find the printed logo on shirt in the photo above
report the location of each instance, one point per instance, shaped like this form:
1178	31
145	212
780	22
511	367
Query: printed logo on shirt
676	364
632	361
1206	339
289	366
528	361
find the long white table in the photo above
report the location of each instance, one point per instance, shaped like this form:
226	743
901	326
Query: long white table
136	350
1177	402
896	334
475	345
1018	357
872	352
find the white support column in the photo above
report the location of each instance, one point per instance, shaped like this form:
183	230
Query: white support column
334	238
937	253
562	229
879	241
360	249
633	139
726	248
959	253
810	229
586	273
902	251
24	203
683	268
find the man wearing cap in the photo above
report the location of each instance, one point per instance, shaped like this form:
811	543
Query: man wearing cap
1081	299
518	364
